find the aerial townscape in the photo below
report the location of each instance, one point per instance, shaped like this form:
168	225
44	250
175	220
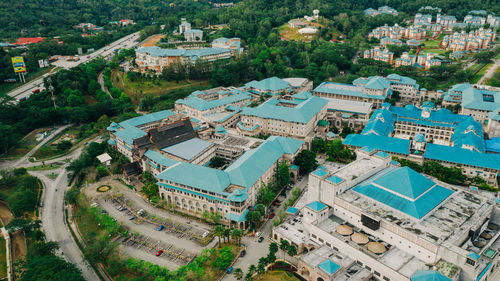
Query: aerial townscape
253	140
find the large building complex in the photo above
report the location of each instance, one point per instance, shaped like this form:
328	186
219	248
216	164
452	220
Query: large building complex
375	220
380	11
422	134
398	32
165	144
374	89
296	116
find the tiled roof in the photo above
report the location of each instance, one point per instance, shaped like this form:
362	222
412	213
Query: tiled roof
269	84
329	266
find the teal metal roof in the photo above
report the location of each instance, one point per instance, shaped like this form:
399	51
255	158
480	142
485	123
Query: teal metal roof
382	154
292	210
111	142
316	206
156	51
188	149
384	143
238	196
329	266
461	156
301	113
160	158
335	179
407	192
250	166
428	275
345	90
269	84
237	217
201	104
406	182
474	255
129	131
319	172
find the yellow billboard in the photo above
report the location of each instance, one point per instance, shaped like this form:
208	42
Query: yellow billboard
18	64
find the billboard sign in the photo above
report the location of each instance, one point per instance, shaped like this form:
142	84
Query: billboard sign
18	64
40	63
46	63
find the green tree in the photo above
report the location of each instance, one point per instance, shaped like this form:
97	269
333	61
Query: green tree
238	273
282	175
236	234
292	250
306	160
64	145
71	195
284	245
219	232
217	162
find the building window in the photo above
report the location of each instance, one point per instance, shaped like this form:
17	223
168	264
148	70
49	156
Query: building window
376	273
471	262
386	279
368	268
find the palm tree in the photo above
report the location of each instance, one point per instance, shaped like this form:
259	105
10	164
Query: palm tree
236	234
284	247
261	269
219	232
292	250
238	273
227	233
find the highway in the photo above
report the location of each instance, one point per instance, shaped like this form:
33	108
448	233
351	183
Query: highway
126	42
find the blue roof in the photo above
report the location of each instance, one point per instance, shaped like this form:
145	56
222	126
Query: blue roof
417	201
292	210
329	266
461	156
428	275
129	131
238	196
197	176
486	268
201	104
188	149
493	145
250	166
111	142
384	143
382	154
156	51
316	206
335	179
345	90
269	84
302	113
367	149
159	158
406	182
474	255
236	217
319	172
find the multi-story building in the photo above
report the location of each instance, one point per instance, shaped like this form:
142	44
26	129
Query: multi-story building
294	116
156	59
269	86
184	26
475	102
474	20
474	40
373	219
398	32
381	10
228	43
493	21
422	134
422	19
405	60
193	35
379	54
493	126
447	22
166	145
350	113
219	106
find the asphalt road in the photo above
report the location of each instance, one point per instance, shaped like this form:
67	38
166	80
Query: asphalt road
125	42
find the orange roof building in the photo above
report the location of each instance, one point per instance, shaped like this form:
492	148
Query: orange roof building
28	40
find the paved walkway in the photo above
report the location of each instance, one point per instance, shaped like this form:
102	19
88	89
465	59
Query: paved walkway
489	73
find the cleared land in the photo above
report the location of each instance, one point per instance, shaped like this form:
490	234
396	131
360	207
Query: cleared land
151	41
136	90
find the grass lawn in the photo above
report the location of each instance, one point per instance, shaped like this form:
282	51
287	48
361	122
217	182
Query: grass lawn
436	51
49	150
43	167
3	258
135	90
431	44
277	275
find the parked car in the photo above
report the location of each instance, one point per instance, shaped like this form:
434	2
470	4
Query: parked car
160	228
159	253
276	203
243	253
122	209
230	270
272	215
261	239
131	218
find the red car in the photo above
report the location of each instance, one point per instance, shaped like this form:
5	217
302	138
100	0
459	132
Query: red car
276	203
271	215
159	253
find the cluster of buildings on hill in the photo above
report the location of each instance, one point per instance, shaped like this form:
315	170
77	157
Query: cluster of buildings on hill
445	22
303	25
175	145
425	60
397	32
384	10
479	39
373	219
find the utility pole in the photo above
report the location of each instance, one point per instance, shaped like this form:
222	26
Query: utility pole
51	90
